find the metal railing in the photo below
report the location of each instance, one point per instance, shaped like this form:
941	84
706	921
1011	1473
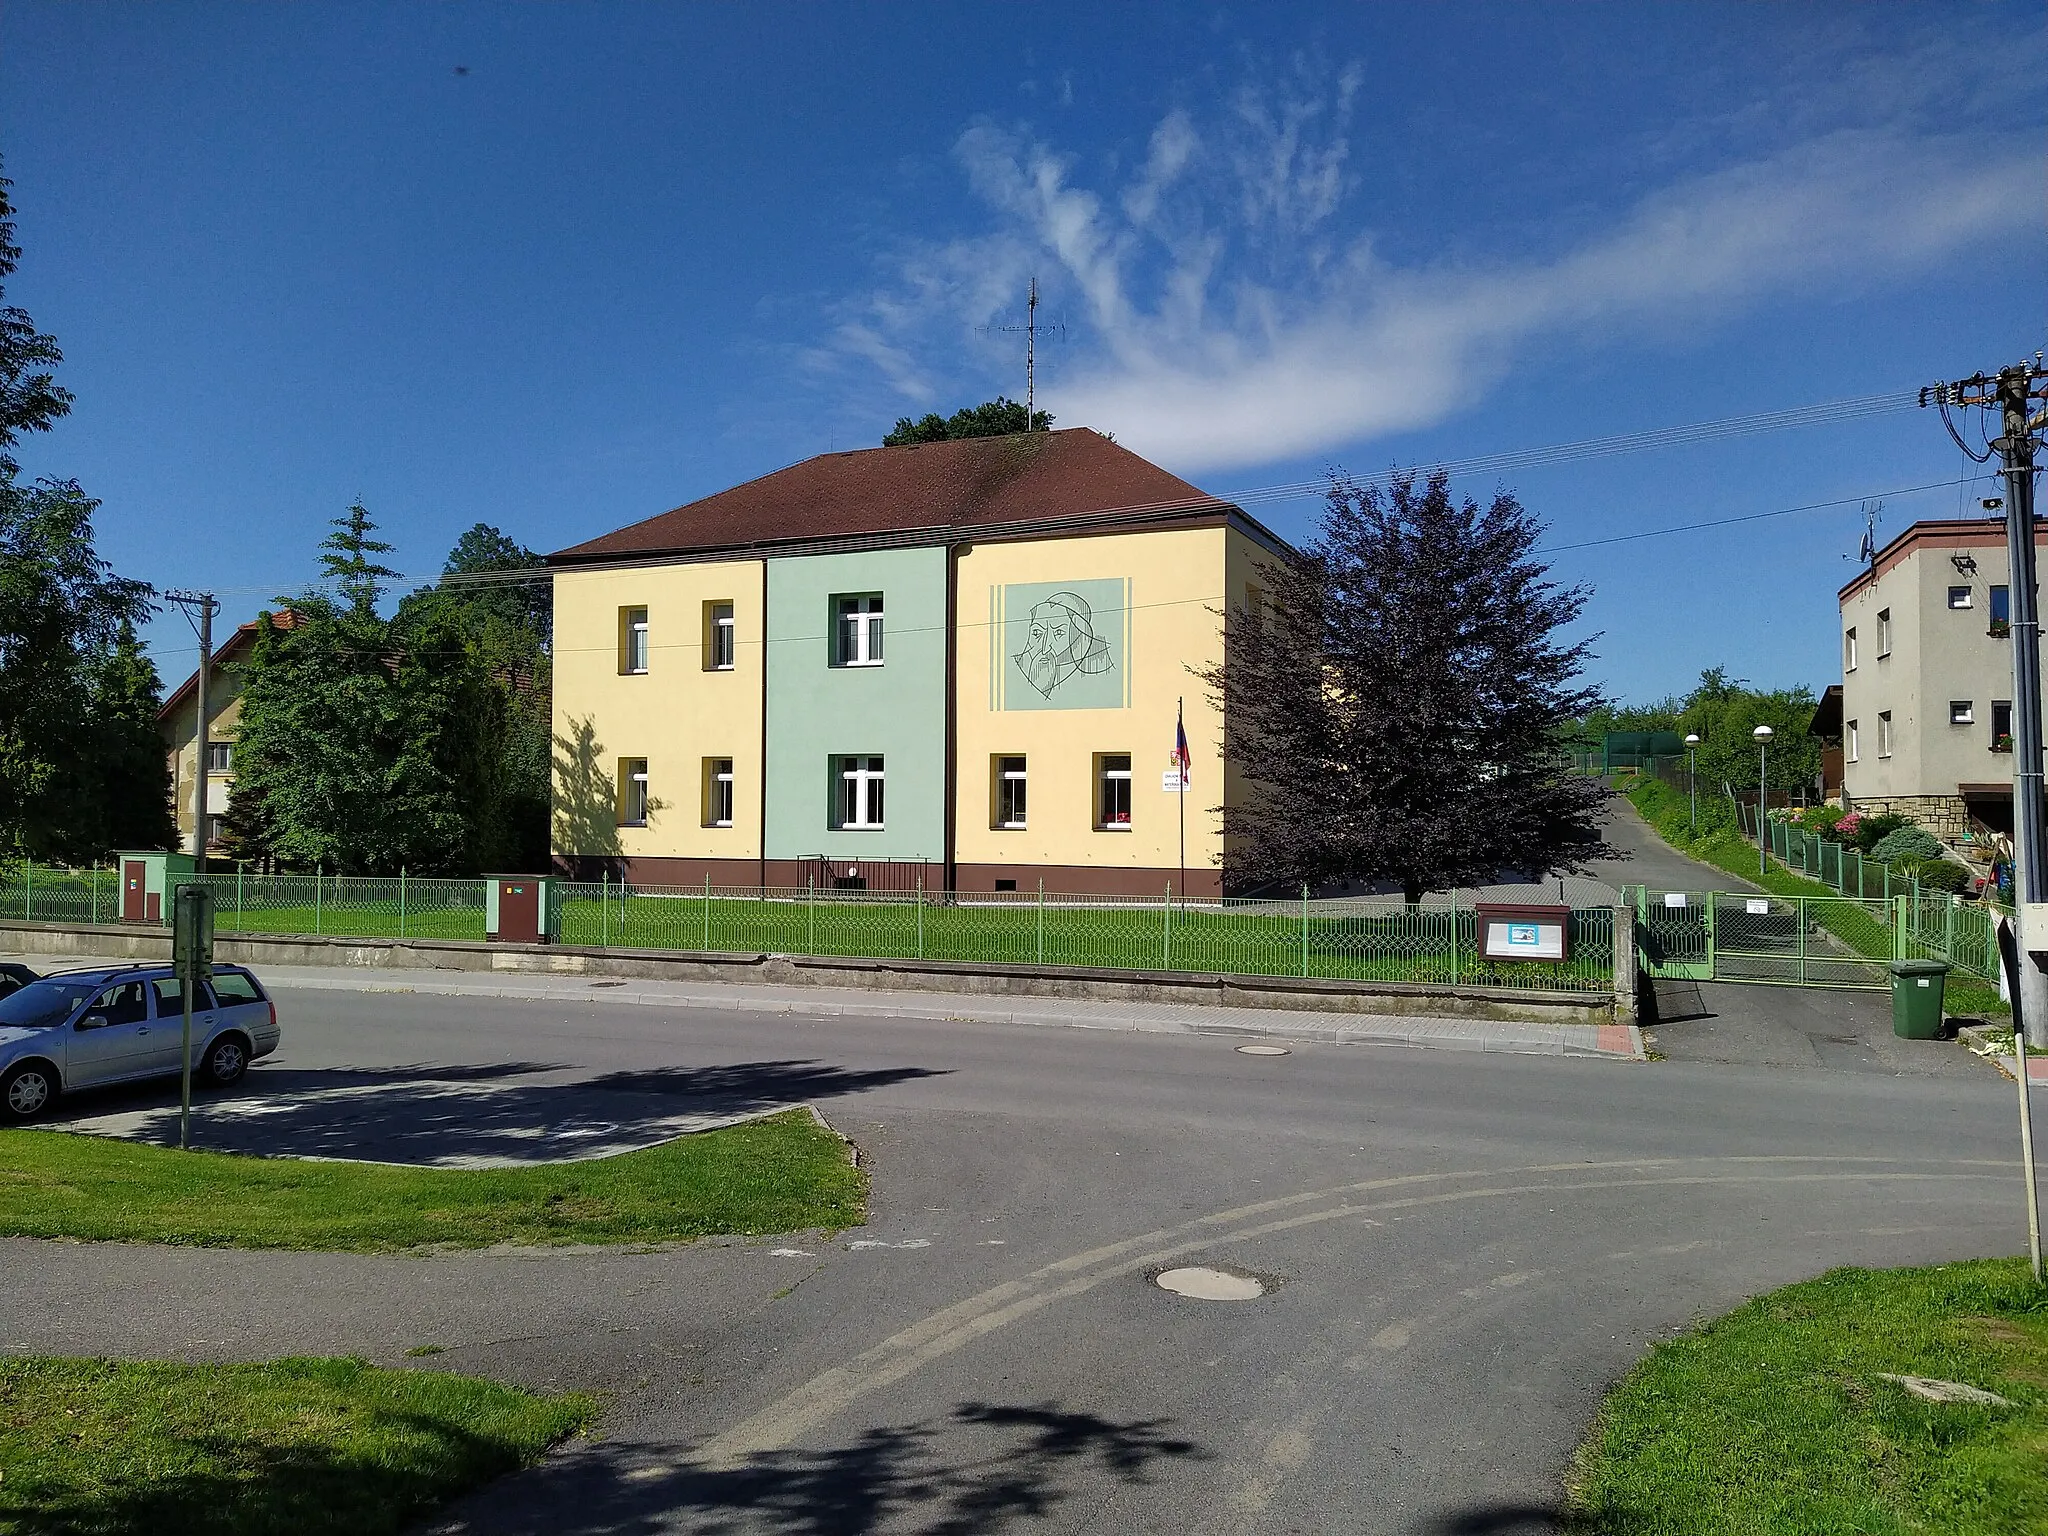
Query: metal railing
1356	938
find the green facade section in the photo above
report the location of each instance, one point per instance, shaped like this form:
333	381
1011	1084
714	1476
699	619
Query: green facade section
818	711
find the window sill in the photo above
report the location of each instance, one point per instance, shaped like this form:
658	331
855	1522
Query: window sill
851	666
714	826
1007	826
624	824
1114	826
860	826
728	667
634	672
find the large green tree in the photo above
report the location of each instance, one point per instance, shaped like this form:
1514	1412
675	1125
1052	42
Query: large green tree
992	418
81	765
1399	710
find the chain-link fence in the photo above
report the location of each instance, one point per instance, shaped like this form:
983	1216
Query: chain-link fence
1357	938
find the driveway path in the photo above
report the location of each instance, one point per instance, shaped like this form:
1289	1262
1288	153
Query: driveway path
1462	1250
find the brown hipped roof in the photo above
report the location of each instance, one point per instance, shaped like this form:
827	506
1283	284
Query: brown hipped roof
947	490
238	645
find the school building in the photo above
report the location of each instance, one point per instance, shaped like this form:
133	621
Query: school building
954	664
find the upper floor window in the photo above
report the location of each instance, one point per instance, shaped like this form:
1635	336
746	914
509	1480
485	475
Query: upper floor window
857	801
857	631
1009	793
1884	633
1113	791
1884	733
1959	597
633	797
1851	743
2001	610
220	756
1962	712
2001	725
632	641
720	634
1849	649
717	791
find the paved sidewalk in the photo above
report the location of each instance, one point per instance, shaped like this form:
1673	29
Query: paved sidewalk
1622	1041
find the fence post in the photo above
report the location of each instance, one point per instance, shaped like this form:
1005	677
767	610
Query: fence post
1799	916
811	908
707	911
1899	928
1304	928
316	896
1041	920
93	885
1948	930
28	885
1166	931
920	919
240	865
1624	947
401	901
1454	938
1713	922
604	909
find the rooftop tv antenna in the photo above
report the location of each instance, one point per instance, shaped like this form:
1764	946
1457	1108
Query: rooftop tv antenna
1873	514
1030	329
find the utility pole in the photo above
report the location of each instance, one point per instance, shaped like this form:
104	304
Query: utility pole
2011	393
199	609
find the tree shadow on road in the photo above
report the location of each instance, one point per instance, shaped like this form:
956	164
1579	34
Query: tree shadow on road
1500	1520
525	1112
981	1468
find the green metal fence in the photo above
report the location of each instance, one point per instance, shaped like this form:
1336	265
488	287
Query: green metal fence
1364	939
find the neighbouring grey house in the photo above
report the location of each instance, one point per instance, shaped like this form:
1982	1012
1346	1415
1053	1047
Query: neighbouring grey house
1926	698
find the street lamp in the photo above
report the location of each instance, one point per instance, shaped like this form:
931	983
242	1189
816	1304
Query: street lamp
1763	836
1692	777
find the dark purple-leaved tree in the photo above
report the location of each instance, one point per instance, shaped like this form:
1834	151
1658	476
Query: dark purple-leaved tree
1397	706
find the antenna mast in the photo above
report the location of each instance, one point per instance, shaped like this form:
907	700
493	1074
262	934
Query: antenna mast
1030	353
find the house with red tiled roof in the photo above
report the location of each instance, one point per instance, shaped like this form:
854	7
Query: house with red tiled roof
178	723
956	665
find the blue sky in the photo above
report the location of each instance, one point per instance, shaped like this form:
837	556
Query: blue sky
635	254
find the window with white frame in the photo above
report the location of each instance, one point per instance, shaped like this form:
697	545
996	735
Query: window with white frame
857	630
1113	791
720	637
1849	649
220	756
1884	633
2001	725
1962	712
1884	733
1849	740
216	830
1008	785
857	793
633	797
717	791
1959	597
633	641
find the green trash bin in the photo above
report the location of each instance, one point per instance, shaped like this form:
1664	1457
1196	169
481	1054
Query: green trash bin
1916	998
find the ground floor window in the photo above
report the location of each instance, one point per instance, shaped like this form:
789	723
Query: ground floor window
1008	793
1113	791
717	791
857	793
2001	725
633	800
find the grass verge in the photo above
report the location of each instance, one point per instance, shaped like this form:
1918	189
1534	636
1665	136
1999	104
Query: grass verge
1774	1418
307	1447
1724	847
782	1174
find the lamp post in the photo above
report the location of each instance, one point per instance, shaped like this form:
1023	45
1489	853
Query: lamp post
1692	776
1763	836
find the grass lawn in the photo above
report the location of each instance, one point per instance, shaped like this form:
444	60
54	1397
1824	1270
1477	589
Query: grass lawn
781	1174
285	1448
1774	1420
1665	809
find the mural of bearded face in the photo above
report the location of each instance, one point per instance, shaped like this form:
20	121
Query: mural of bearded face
1060	642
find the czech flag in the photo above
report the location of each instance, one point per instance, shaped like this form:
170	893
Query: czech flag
1181	759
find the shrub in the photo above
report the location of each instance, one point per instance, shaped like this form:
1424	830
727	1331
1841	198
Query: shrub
1907	843
1823	819
1871	830
1943	875
1845	829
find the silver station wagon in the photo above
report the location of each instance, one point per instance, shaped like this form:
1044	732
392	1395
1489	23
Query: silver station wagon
118	1023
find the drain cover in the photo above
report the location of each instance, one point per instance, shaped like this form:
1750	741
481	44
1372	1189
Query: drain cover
1262	1050
1201	1283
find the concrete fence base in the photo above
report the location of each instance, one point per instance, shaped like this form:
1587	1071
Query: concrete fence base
977	979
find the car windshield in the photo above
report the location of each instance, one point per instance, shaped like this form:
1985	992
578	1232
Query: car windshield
43	1003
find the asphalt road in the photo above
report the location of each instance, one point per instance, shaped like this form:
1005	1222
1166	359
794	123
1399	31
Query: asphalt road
1464	1250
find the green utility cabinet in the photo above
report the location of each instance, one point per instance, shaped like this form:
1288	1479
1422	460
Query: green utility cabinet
521	909
146	883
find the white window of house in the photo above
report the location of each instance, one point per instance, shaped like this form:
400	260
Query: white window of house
633	797
220	756
1849	740
1849	649
717	791
1884	733
1884	633
1959	597
1962	712
858	800
857	630
1009	793
720	637
632	641
1113	791
216	829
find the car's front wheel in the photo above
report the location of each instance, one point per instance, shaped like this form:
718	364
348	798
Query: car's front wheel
27	1091
226	1060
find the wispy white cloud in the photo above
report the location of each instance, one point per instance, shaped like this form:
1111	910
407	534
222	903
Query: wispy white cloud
1233	319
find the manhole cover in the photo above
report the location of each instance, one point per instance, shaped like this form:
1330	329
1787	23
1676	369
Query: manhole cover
1262	1050
1200	1283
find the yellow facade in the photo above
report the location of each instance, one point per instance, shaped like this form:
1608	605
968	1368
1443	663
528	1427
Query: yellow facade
677	716
1175	584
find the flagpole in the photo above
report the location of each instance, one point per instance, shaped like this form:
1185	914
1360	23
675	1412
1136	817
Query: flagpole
1180	767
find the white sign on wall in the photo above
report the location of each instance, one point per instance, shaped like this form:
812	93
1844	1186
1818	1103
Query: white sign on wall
1173	782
